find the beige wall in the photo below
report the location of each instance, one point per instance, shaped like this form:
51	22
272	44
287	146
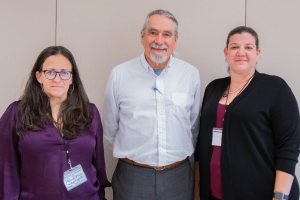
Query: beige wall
102	34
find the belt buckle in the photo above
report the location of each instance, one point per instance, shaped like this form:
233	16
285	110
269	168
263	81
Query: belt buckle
159	169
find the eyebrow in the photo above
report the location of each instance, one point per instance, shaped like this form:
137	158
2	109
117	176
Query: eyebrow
237	44
51	69
170	32
153	29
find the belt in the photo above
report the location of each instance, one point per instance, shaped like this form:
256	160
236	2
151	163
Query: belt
155	167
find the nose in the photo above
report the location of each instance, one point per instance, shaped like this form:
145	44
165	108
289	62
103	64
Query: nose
159	39
57	78
241	52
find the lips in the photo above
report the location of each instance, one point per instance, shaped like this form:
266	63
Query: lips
159	49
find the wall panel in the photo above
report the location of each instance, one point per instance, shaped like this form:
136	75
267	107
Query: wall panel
102	34
27	27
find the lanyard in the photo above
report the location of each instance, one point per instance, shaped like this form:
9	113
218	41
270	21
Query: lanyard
67	149
238	93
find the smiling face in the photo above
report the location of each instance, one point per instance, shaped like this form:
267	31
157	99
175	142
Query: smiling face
159	40
56	88
241	54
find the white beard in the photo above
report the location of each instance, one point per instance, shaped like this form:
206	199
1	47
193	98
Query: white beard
158	57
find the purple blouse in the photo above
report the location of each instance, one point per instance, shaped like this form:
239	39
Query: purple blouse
32	167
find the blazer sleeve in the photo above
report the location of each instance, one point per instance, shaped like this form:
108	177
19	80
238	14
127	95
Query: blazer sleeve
99	162
285	123
9	156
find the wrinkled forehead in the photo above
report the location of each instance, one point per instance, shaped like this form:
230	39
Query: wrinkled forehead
160	23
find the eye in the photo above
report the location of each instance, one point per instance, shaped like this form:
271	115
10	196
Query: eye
51	72
167	35
64	72
249	48
152	33
233	47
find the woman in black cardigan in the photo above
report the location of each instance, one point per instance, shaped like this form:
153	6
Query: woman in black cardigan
248	144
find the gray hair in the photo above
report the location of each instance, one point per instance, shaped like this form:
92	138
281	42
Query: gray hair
162	13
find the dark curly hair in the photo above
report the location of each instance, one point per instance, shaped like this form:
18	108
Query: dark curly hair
34	109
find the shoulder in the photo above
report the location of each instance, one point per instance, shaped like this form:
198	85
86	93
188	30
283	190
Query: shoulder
218	82
271	82
10	116
14	105
96	121
12	108
185	65
94	110
186	69
127	65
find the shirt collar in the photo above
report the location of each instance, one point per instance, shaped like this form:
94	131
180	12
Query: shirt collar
149	68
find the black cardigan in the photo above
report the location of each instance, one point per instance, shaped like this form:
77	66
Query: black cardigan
261	134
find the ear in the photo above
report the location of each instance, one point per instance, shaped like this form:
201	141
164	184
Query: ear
142	41
176	39
38	76
225	51
258	54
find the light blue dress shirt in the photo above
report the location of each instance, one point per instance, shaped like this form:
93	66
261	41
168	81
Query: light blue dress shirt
152	119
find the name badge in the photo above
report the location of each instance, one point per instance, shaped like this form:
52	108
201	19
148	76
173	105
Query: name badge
74	177
217	137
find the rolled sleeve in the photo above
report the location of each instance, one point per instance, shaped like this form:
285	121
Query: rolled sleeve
285	123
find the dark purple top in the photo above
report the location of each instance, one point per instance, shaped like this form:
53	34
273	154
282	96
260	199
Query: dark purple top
32	167
215	162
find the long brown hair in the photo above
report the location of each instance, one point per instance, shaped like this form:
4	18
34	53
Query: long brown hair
34	109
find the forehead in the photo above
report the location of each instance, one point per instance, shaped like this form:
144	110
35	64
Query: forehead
57	62
160	23
242	39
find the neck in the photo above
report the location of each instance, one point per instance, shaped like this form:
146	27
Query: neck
238	79
155	65
55	107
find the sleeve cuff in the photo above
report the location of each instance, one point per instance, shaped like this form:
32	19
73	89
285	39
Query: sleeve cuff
286	165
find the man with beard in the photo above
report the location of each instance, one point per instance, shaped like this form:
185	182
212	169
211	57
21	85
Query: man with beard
151	117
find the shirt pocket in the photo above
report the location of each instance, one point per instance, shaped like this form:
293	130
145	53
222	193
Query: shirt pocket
180	103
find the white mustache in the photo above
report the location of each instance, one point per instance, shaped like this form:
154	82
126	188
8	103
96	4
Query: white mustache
156	46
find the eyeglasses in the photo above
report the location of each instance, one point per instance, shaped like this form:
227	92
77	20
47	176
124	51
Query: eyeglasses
51	74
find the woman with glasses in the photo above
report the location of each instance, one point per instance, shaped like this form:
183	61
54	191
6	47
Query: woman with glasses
51	142
248	144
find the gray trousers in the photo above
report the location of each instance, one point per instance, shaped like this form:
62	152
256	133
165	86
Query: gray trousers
130	182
